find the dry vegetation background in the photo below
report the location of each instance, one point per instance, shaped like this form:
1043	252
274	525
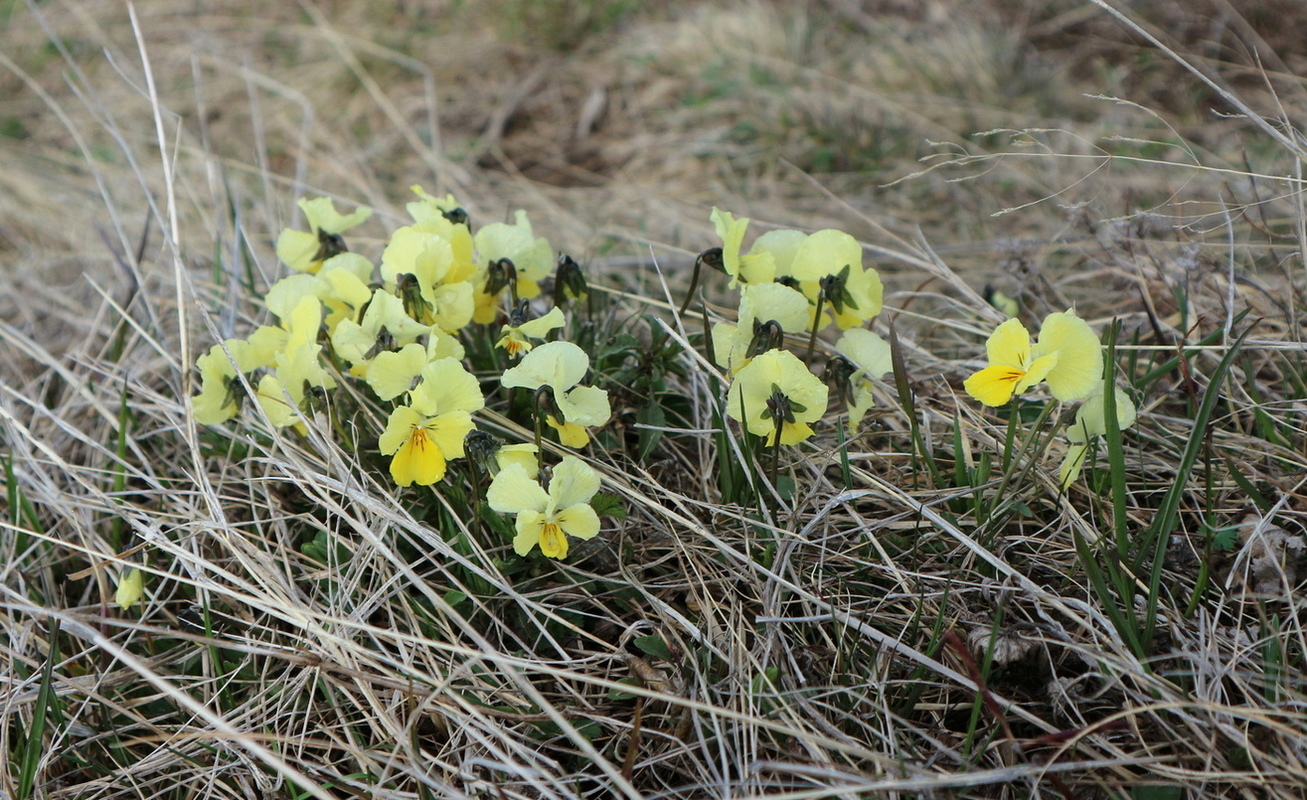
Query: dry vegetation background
1040	148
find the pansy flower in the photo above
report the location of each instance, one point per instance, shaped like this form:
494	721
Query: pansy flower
869	355
754	267
515	338
1067	355
775	394
221	392
761	305
547	518
1091	421
426	434
560	366
304	251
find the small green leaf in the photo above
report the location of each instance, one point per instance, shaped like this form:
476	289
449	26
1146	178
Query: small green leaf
654	646
618	694
608	505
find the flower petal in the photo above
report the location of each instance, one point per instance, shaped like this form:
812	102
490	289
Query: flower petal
994	385
560	365
530	524
574	482
447	386
512	492
401	423
1009	346
579	521
1080	356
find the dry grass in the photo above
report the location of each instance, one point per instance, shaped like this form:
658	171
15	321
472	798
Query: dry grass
927	628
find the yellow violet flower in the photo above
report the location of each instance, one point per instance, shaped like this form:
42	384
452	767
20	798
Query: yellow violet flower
1067	355
1091	421
131	587
304	251
424	435
524	455
756	267
298	325
221	392
828	265
870	356
531	257
548	518
561	366
775	391
299	376
384	327
735	345
516	339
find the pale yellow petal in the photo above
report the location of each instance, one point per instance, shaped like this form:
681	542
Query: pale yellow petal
584	405
529	525
402	420
579	521
514	492
1080	356
574	482
447	386
392	373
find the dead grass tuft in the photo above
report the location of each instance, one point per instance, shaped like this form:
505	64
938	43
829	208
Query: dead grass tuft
900	618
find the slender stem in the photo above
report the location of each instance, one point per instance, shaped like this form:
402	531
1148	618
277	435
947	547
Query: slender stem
694	284
816	326
476	495
776	455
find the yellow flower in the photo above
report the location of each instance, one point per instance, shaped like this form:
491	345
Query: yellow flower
424	435
221	392
300	377
561	366
1091	421
776	391
548	518
531	258
524	455
1067	355
305	251
384	327
870	356
300	321
131	587
516	338
756	267
735	345
828	265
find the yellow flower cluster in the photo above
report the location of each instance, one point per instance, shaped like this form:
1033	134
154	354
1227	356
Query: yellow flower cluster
396	326
793	283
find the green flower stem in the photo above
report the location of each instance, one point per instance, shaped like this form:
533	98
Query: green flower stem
816	326
694	284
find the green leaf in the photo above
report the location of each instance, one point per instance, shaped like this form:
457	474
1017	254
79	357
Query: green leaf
654	646
618	694
608	505
653	416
